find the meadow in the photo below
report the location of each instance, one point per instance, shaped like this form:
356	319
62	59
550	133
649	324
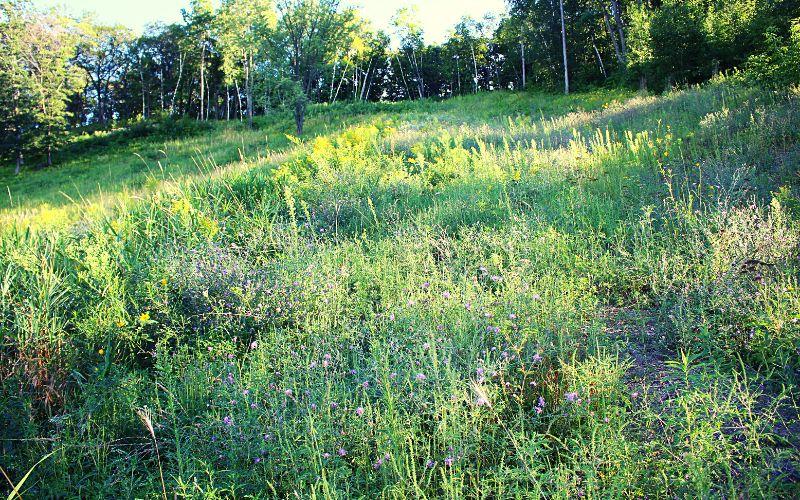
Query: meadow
505	295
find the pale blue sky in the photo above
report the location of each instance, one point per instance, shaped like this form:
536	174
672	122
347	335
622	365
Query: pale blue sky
437	16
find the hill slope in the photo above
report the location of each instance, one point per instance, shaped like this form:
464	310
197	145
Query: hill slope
491	296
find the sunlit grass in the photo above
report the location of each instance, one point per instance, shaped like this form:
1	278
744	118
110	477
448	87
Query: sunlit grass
503	295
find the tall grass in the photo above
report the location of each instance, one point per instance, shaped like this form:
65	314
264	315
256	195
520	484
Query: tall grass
502	295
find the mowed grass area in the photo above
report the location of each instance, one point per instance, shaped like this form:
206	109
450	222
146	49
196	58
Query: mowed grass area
502	295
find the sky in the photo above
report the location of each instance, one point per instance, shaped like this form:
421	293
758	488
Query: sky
436	16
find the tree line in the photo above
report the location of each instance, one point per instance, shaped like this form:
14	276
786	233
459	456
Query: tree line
249	57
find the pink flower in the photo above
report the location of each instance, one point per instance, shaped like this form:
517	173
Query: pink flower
359	411
421	376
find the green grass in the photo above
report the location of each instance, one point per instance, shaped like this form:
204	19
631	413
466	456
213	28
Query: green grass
502	295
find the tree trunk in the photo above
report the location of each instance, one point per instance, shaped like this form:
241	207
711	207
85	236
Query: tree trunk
239	99
178	84
299	114
599	60
249	89
333	80
612	35
341	80
202	80
522	51
474	66
564	47
615	7
400	65
144	100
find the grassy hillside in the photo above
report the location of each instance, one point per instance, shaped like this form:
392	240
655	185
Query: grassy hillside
502	295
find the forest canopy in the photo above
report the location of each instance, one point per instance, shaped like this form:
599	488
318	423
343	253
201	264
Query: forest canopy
248	57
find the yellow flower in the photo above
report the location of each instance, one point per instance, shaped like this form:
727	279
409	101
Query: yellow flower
120	323
101	351
666	153
144	317
164	282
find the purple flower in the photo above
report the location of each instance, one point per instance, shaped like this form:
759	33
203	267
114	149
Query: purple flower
227	421
359	411
288	392
537	357
421	376
430	464
449	461
571	396
257	460
342	452
326	455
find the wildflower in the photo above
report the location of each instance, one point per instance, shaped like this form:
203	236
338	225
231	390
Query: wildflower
120	323
144	317
257	460
426	346
359	411
227	421
342	452
253	344
164	282
537	357
571	396
446	295
430	464
666	154
635	394
326	455
449	461
334	405
421	376
101	351
288	392
365	384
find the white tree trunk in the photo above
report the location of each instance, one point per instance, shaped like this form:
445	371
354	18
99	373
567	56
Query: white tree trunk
564	47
